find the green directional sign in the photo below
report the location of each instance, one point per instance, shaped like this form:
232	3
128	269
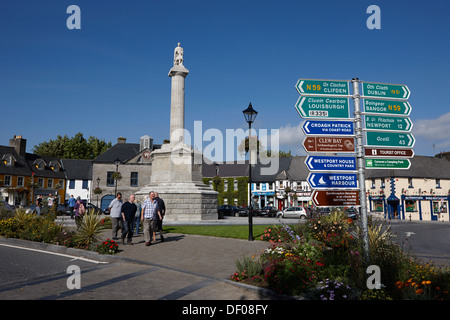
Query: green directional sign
323	107
387	164
385	90
383	123
323	87
388	107
389	139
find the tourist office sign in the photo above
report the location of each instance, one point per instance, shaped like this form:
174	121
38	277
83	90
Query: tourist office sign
386	107
333	180
385	90
389	139
335	128
329	144
335	198
388	164
323	107
388	153
384	123
330	163
323	87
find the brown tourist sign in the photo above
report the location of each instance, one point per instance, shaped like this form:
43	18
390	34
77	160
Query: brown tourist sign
335	198
329	144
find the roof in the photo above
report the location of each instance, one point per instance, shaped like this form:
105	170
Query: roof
47	171
121	151
77	169
20	168
227	169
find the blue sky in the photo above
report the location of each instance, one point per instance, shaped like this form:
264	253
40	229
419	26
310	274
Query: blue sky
110	78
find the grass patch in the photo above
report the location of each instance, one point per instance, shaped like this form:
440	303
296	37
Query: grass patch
238	231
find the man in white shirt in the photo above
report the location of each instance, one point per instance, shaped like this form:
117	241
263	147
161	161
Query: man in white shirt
115	212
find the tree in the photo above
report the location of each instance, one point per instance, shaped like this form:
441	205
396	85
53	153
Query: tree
76	147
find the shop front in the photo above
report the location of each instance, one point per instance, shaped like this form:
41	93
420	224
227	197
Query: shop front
427	208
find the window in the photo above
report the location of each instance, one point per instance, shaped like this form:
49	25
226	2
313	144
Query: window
438	183
373	183
235	186
8	181
72	184
40	182
410	183
225	185
382	184
134	181
50	183
61	183
410	206
20	181
109	179
85	184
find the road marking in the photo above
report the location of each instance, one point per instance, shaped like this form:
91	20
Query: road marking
55	253
409	233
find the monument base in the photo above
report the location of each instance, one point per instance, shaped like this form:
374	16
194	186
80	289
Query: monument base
185	201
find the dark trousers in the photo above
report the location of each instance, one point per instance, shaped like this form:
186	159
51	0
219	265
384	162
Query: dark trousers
127	229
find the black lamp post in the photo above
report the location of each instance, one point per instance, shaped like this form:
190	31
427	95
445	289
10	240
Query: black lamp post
250	115
117	162
98	187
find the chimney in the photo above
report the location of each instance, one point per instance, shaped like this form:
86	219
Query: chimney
19	144
121	140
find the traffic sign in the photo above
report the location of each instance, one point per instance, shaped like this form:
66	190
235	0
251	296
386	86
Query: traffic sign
323	87
329	144
333	180
323	107
388	164
335	198
330	163
384	123
388	107
389	139
336	128
385	90
389	153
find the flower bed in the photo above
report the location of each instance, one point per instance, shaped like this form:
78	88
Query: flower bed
321	259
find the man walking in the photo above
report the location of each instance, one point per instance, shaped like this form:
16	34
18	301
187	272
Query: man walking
128	213
150	215
162	210
115	211
71	202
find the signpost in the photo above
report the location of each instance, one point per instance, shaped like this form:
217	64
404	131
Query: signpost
333	180
335	128
388	107
383	123
390	139
387	139
329	144
385	90
323	87
330	163
335	198
323	107
389	153
388	164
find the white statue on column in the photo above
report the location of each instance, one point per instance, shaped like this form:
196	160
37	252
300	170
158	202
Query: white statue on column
178	56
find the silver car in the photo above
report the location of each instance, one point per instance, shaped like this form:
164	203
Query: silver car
293	212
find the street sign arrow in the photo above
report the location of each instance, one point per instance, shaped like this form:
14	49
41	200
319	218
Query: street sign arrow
335	128
389	139
388	153
323	87
333	180
329	144
388	164
335	198
323	107
330	163
388	107
384	123
385	90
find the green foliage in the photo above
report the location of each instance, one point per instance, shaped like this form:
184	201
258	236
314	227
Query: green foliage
76	147
241	193
88	230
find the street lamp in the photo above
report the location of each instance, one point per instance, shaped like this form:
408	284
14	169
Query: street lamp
98	187
117	162
250	115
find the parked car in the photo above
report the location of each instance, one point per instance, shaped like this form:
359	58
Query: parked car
229	210
352	213
293	212
269	211
6	206
60	209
